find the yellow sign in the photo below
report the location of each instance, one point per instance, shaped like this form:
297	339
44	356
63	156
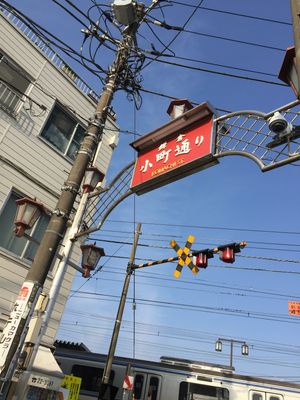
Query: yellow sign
184	256
72	383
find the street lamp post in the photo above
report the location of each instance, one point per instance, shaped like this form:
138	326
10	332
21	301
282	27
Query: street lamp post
244	348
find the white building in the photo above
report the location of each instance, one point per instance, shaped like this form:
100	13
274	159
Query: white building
44	108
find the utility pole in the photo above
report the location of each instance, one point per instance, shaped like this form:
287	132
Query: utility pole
106	389
295	9
15	330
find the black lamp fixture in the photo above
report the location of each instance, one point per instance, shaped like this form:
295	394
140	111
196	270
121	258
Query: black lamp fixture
91	255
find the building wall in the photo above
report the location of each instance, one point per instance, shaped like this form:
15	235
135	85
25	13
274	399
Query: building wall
32	166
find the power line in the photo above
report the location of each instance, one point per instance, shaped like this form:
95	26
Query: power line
234	40
235	14
226	66
211	227
195	244
248	78
193	307
204	282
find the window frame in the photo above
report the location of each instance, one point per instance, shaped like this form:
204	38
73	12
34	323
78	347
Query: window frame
21	96
18	194
77	124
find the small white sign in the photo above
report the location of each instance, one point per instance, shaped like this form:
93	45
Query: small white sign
41	381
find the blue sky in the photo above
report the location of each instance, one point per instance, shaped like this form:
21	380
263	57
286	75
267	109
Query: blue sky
233	201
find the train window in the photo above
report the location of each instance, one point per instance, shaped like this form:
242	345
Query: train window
153	388
206	392
183	391
274	398
138	386
91	377
257	396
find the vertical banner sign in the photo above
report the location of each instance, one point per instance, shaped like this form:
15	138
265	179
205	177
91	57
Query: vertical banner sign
179	148
20	311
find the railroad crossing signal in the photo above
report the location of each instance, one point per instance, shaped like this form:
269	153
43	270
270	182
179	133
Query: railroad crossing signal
184	256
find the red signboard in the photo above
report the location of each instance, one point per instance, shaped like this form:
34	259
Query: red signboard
179	148
294	307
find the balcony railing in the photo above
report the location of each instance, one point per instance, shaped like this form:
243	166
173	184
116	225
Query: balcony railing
49	53
9	100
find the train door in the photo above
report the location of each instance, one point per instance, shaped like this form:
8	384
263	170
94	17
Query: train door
146	387
258	395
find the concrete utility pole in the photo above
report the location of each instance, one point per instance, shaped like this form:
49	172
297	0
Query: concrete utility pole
17	324
106	389
295	9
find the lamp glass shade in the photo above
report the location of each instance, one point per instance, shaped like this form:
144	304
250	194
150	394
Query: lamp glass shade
218	346
28	212
92	177
227	255
91	255
245	349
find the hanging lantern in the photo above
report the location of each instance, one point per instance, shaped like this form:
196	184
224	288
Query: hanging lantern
28	212
92	177
91	255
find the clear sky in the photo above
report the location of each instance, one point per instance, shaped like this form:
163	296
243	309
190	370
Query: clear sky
233	201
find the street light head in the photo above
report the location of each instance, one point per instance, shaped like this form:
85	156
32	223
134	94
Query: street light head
28	212
125	11
245	349
218	345
91	255
92	177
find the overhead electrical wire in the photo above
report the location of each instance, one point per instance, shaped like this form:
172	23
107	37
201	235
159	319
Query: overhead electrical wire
192	307
234	13
190	67
167	46
234	40
194	245
211	227
262	345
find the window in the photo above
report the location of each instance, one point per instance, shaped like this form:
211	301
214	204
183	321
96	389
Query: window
63	132
256	396
91	377
153	388
205	392
13	83
138	386
9	241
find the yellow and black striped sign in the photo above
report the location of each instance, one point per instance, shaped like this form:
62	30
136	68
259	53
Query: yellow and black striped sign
184	256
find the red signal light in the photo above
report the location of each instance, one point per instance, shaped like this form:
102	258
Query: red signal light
201	260
227	255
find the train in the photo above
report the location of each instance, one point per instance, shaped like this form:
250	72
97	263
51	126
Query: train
169	379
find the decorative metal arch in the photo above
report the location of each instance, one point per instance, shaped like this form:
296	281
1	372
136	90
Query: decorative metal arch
102	203
243	133
246	133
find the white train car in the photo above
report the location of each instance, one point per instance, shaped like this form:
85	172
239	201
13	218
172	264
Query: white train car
171	379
